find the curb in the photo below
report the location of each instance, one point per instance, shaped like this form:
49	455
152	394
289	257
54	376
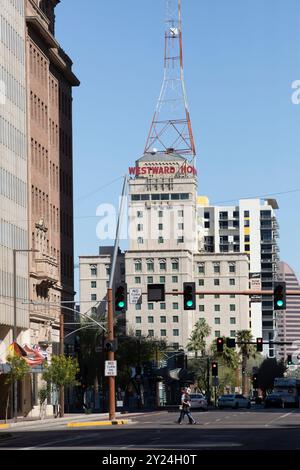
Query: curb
4	426
99	423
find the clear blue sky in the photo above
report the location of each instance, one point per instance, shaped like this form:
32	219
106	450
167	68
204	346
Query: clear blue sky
240	57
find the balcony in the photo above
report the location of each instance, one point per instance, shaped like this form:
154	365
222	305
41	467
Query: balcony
46	271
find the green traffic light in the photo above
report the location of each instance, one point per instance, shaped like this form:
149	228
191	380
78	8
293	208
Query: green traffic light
189	303
121	304
279	303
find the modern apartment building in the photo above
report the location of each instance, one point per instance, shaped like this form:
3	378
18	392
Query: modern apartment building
251	228
288	321
13	178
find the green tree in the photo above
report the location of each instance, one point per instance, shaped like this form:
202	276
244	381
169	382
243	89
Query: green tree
229	356
269	369
197	340
247	351
18	370
61	372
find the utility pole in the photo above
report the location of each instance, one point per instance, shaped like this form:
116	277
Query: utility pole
62	352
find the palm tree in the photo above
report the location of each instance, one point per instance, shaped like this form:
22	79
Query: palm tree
243	338
197	340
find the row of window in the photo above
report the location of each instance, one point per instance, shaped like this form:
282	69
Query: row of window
150	265
140	227
39	157
160	197
38	110
175	319
217	282
6	286
18	5
140	214
13	91
12	236
38	65
12	138
12	40
175	332
216	268
150	279
13	188
160	240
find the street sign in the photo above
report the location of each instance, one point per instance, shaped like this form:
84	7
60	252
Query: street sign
135	295
255	284
110	368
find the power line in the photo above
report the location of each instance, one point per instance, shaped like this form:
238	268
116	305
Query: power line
259	196
94	191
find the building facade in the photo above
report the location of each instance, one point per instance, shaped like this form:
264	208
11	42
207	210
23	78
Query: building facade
288	321
50	178
13	179
251	228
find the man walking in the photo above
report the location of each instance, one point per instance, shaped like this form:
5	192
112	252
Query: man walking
185	407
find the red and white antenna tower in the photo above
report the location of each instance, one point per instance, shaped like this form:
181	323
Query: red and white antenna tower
171	129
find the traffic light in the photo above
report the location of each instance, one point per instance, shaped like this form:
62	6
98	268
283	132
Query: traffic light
214	369
121	297
220	344
289	360
259	344
279	296
230	342
110	345
189	296
255	380
156	292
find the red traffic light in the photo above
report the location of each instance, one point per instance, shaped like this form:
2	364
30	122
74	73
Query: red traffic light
220	344
214	369
259	344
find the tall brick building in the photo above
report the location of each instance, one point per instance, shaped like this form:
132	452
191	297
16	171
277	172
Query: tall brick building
50	183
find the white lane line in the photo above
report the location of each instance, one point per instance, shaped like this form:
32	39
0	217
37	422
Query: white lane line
88	436
279	417
219	419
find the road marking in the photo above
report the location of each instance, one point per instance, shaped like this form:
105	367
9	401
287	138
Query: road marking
279	417
219	419
87	436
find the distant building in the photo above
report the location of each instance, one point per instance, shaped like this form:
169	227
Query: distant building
288	321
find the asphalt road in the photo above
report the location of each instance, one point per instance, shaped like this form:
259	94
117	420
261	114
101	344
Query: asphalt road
255	429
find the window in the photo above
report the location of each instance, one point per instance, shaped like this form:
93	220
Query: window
93	270
184	195
206	224
137	280
247	238
201	308
174	278
217	296
160	239
232	321
163	306
247	247
162	279
232	268
174	196
175	305
217	308
217	320
180	213
232	307
150	266
163	319
93	284
246	223
217	333
138	265
206	215
150	279
139	214
216	282
201	268
175	332
232	333
181	226
139	227
180	239
236	214
232	296
201	282
175	319
93	296
150	306
246	214
162	265
138	332
150	333
216	268
201	296
160	226
163	332
150	319
94	310
138	306
138	319
140	240
175	265
232	282
160	214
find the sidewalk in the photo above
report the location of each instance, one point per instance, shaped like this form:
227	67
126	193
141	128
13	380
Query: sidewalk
68	418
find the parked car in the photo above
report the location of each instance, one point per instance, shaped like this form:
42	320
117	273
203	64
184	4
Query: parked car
198	400
233	401
274	400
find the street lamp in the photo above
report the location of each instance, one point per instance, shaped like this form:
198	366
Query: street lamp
15	251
